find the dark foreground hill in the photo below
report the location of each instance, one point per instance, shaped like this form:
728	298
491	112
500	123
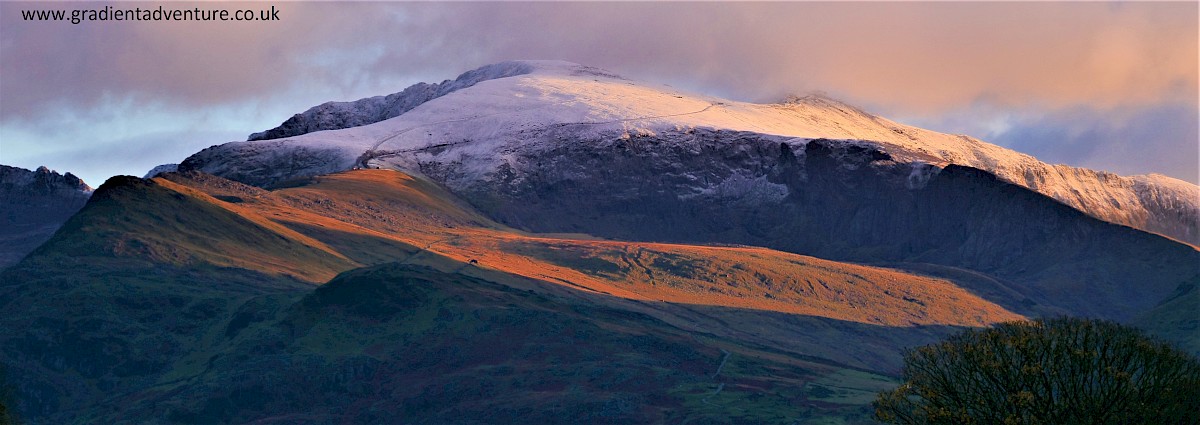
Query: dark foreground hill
402	343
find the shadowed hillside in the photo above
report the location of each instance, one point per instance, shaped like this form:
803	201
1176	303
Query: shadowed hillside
161	293
415	345
189	298
847	202
363	211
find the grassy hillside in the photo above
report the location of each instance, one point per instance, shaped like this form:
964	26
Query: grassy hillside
130	284
844	202
193	299
1177	318
160	222
411	344
374	216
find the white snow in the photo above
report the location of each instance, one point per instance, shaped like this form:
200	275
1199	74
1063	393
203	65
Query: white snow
474	127
164	168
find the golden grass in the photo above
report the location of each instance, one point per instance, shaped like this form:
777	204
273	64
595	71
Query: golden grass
409	210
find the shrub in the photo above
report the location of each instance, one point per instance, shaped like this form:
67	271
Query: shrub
1055	371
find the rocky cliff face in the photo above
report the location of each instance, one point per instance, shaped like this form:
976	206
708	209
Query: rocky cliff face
838	200
33	204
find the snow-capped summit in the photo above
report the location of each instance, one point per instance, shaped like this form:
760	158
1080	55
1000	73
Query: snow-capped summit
335	115
159	169
488	122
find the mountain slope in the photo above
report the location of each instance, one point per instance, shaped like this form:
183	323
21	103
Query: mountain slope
849	203
844	200
1177	318
166	223
161	293
34	204
127	286
393	206
803	334
398	343
556	104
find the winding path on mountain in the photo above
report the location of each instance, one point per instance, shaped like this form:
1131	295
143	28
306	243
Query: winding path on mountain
721	385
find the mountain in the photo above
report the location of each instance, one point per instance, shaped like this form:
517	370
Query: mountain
127	285
34	204
336	115
569	148
399	343
526	108
158	169
1175	317
547	242
238	268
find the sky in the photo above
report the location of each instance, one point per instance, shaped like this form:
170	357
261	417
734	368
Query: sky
1104	85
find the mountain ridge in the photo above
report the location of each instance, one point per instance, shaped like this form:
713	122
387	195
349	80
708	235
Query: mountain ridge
511	110
34	204
338	115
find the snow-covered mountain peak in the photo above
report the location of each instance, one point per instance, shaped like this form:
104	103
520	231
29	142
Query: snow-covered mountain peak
545	67
337	115
821	100
490	119
1165	181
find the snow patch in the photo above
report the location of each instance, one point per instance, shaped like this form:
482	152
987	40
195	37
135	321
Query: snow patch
920	175
164	168
754	190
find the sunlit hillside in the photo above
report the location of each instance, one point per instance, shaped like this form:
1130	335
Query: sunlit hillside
400	212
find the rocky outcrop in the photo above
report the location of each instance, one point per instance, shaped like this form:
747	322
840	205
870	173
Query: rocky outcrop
34	204
268	163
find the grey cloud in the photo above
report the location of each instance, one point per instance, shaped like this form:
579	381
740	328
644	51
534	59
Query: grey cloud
97	161
1161	139
48	65
924	60
927	56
